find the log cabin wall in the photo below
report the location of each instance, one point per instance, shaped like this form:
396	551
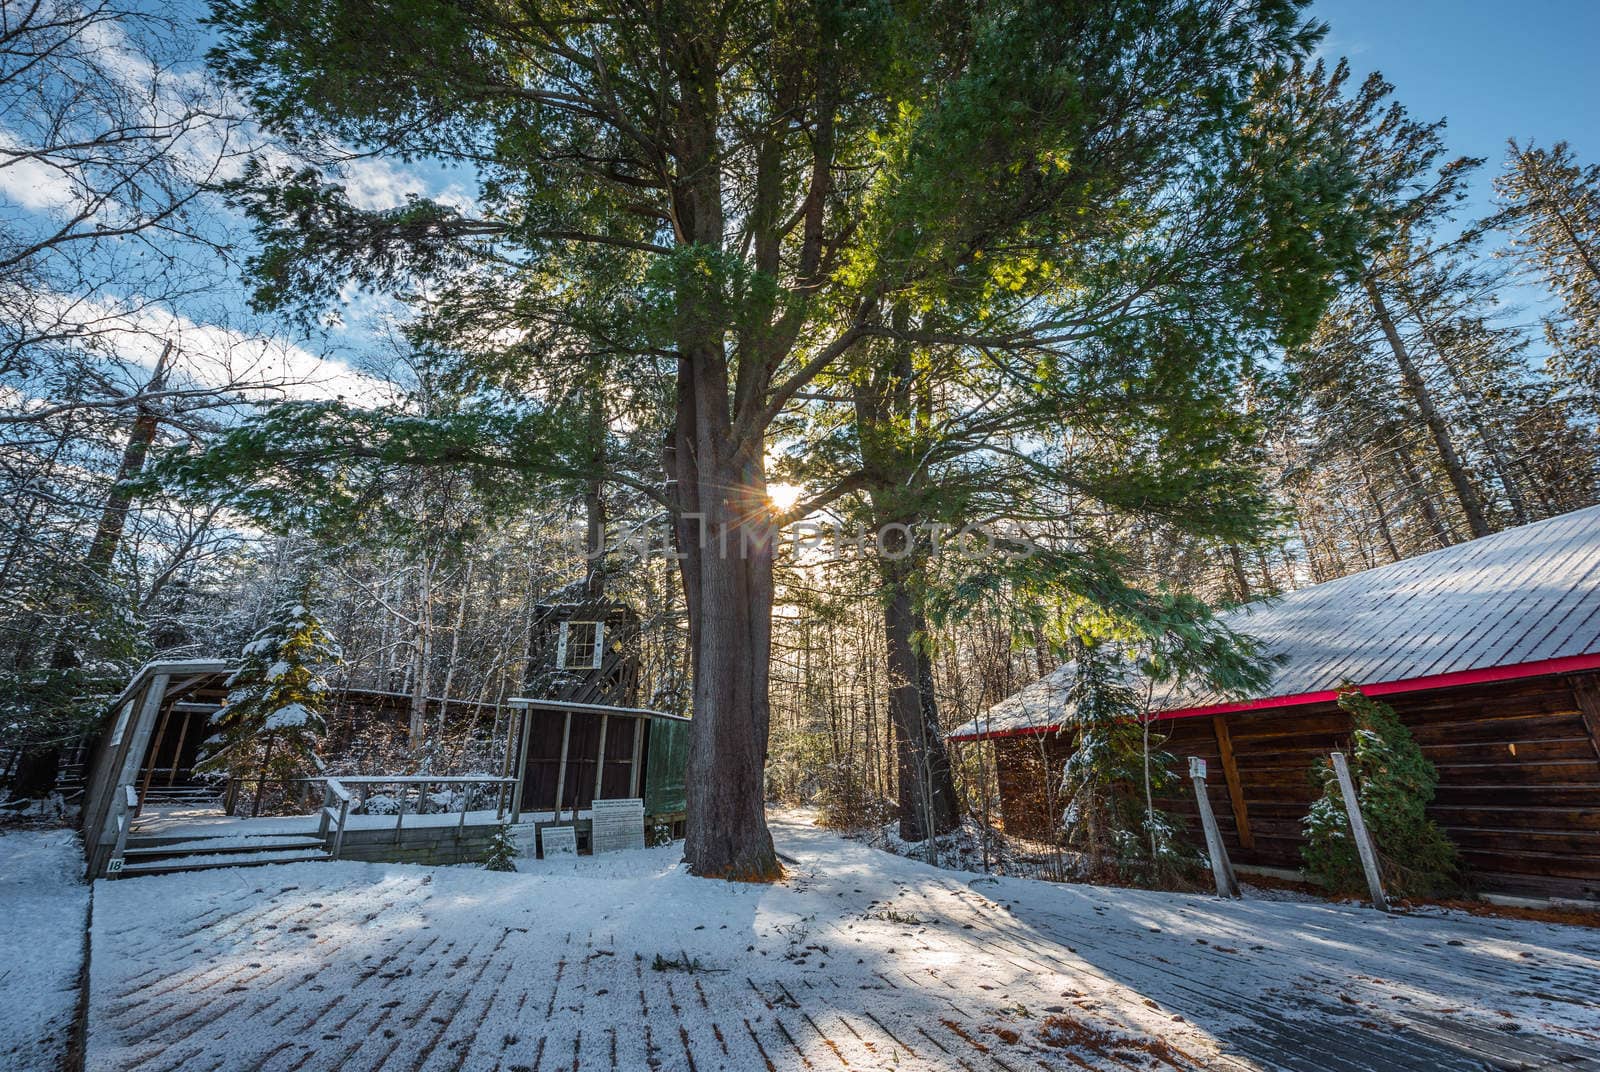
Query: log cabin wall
1519	778
1022	771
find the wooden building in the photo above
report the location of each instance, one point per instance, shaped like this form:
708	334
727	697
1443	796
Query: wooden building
578	739
1489	652
581	738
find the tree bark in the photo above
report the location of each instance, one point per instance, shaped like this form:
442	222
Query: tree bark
1240	580
724	538
38	768
421	659
927	788
1487	439
113	518
1411	480
594	504
718	495
1417	388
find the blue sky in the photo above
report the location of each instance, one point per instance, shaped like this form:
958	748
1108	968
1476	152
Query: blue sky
1494	69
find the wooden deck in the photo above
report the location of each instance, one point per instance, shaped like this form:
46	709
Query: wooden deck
859	960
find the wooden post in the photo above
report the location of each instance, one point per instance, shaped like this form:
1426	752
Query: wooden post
1221	866
561	768
1587	695
177	751
600	757
344	819
137	737
1230	774
400	811
1358	828
634	763
322	819
522	765
155	754
261	783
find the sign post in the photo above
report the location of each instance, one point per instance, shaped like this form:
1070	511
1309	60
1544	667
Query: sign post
1221	866
1358	828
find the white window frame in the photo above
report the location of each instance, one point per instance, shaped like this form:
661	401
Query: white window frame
599	646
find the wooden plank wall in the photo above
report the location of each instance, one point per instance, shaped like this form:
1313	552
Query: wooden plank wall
1519	778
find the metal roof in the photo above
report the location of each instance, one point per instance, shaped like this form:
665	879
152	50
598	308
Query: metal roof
1527	598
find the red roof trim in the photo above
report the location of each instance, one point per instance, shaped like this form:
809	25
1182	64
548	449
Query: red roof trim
1486	675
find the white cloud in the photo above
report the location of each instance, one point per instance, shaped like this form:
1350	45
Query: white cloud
213	355
31	182
375	184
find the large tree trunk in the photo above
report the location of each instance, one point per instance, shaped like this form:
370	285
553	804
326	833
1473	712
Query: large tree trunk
724	536
421	660
1490	441
594	503
38	768
927	789
1444	442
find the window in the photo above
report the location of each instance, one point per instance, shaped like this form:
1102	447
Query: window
581	645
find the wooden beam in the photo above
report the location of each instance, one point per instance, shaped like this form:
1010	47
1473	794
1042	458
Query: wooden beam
1221	866
155	754
561	769
1230	774
522	762
633	764
1358	830
600	757
1586	690
138	735
177	750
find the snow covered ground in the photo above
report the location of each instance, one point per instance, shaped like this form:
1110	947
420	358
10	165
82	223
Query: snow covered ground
43	910
861	959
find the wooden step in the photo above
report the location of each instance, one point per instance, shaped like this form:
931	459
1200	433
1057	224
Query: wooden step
197	846
211	861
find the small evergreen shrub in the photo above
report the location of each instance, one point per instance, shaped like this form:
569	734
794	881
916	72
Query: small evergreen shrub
503	852
270	722
1395	784
1108	814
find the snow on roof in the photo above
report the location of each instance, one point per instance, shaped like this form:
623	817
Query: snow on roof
564	705
169	666
1525	595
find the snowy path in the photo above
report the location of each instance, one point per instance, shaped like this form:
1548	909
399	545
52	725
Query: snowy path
43	907
860	960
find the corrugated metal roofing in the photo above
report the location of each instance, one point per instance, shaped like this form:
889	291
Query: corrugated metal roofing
1525	595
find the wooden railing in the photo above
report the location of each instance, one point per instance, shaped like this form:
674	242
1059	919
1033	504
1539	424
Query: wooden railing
126	804
334	817
401	781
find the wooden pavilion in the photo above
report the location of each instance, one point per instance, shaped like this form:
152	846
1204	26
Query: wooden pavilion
1489	652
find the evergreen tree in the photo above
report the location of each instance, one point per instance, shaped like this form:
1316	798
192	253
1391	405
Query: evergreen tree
503	852
270	722
1115	771
759	187
1395	783
1553	202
